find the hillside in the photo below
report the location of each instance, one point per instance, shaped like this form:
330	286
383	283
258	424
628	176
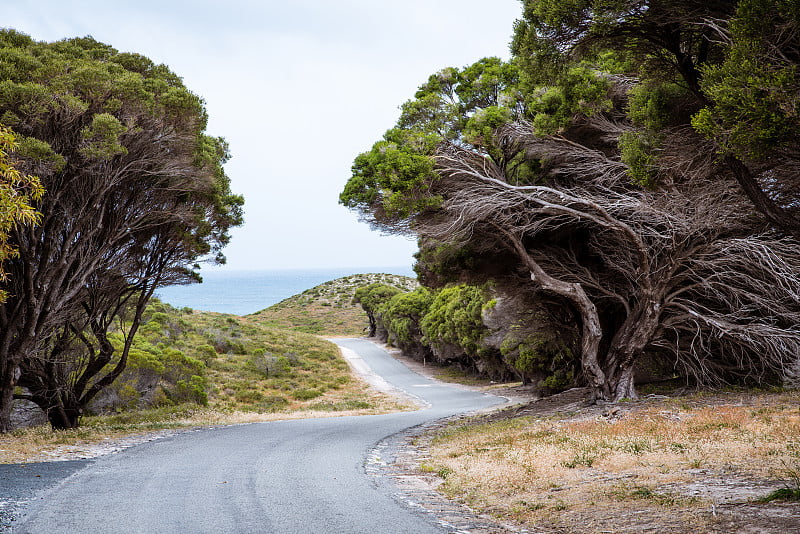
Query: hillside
327	309
265	362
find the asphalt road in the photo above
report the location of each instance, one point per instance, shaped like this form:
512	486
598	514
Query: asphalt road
301	476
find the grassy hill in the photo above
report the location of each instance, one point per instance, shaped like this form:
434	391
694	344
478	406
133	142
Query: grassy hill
327	309
264	362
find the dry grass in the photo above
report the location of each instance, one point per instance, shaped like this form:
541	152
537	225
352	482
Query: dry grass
667	460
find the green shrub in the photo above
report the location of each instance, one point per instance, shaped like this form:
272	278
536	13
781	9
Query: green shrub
306	394
402	315
270	365
454	318
637	151
206	352
192	390
543	357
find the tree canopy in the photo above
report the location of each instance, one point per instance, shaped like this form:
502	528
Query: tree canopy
137	196
651	203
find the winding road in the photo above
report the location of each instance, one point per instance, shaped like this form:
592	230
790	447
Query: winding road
286	477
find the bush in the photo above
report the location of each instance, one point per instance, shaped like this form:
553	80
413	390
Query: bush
192	390
306	394
402	315
273	366
454	318
206	352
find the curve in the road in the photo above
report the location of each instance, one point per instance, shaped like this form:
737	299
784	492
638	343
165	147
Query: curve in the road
299	476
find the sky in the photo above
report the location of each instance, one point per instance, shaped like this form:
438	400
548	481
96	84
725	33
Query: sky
298	88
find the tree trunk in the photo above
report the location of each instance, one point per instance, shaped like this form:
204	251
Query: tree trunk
9	376
63	410
591	332
628	344
623	386
6	402
63	418
775	214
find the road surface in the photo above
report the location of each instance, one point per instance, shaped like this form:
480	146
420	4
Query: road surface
283	477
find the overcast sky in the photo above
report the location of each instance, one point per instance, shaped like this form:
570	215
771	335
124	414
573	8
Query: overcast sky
298	88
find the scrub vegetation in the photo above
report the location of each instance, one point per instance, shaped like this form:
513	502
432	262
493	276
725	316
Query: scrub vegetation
190	368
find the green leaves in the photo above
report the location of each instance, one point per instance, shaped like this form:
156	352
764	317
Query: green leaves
455	317
580	90
17	193
393	179
393	182
102	137
754	90
637	151
444	104
373	296
403	312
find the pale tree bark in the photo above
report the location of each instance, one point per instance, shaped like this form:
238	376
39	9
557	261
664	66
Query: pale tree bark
675	266
591	333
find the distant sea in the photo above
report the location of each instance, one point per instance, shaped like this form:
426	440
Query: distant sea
244	292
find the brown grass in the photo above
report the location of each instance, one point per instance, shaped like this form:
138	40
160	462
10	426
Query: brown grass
670	460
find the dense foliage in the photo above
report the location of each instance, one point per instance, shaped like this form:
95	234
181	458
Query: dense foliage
137	195
627	182
465	327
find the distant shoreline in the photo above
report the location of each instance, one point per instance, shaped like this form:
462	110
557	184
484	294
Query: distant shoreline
242	292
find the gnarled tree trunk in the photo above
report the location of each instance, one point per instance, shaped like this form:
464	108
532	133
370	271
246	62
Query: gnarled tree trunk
591	332
628	344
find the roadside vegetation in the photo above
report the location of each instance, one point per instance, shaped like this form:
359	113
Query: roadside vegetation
690	463
621	195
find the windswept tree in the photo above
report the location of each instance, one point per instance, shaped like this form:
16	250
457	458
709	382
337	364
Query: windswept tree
138	196
675	272
659	254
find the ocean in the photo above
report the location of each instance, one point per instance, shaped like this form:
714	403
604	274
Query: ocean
244	292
